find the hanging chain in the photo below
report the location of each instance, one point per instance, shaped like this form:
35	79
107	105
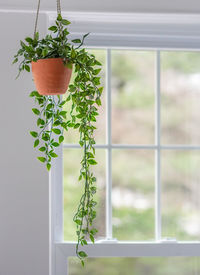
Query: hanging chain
37	14
58	7
36	19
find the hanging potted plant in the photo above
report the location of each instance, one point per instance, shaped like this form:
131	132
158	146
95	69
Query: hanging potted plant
52	60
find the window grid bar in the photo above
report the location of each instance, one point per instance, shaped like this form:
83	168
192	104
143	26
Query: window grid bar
158	225
109	148
137	147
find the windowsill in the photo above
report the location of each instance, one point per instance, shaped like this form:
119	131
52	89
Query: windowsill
134	249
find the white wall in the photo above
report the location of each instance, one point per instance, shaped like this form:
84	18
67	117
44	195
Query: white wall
182	6
23	180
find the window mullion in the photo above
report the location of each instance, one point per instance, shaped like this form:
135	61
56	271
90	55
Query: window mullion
158	152
109	149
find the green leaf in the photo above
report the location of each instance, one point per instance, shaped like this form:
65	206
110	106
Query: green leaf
79	222
34	93
70	124
56	123
53	155
82	254
34	134
98	63
65	22
36	111
96	72
82	262
36	37
55	144
27	68
76	41
42	122
56	131
81	143
90	155
42	159
48	166
93	189
45	137
73	53
36	143
69	65
96	80
15	61
80	115
92	238
49	106
59	17
63	114
29	39
84	231
38	121
93	231
44	52
68	98
53	28
92	161
100	90
22	44
61	139
72	88
76	125
84	242
42	149
98	101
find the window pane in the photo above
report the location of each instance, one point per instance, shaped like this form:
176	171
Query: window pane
136	266
133	74
73	190
180	96
180	194
133	194
72	136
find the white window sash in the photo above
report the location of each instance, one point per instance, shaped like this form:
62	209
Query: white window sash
137	31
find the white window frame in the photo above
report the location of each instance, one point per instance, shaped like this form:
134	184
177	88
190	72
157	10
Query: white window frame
136	31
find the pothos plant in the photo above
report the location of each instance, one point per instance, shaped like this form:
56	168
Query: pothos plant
52	119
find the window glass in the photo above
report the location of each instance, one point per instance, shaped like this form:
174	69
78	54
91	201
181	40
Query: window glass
180	194
133	170
136	266
133	89
133	194
73	191
180	97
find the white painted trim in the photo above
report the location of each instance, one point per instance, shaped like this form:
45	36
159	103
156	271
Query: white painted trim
148	31
56	207
29	11
136	30
158	218
133	249
109	151
60	261
135	146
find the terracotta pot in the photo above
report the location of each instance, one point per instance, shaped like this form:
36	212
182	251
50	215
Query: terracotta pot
51	77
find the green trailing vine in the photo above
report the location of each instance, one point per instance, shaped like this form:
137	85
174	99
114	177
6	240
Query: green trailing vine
53	118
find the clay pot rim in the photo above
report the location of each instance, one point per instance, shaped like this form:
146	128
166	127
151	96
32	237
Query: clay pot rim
52	58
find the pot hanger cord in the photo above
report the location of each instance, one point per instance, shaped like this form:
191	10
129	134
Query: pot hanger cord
37	14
